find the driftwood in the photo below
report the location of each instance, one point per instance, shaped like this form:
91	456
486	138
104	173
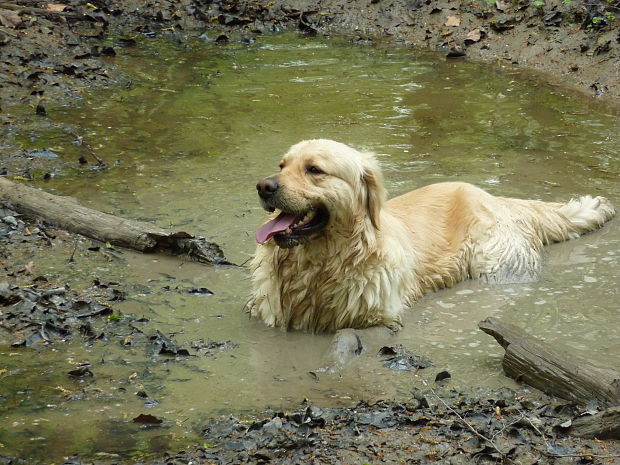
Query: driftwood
533	362
603	425
66	213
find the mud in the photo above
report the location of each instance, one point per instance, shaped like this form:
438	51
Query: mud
437	426
48	54
52	52
36	312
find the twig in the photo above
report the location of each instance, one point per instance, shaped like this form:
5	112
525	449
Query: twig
90	150
542	435
513	422
71	260
25	2
470	426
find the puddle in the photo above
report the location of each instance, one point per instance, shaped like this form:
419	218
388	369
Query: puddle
189	134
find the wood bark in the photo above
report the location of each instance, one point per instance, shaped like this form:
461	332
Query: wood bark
66	213
603	425
557	373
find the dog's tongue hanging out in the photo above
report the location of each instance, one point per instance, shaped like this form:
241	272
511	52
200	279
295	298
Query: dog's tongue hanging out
281	223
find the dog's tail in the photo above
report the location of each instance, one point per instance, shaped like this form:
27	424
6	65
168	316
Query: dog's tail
574	218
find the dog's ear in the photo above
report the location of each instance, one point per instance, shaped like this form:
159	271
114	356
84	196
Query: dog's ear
375	191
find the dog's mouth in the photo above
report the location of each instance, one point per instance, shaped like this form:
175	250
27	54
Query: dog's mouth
290	229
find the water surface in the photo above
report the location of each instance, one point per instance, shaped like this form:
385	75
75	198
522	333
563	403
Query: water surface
190	132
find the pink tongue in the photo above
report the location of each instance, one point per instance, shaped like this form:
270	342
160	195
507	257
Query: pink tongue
278	224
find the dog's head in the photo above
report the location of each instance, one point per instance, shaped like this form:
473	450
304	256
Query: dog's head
323	187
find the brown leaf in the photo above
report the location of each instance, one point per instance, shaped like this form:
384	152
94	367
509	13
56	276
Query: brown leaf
56	7
29	267
453	21
474	35
9	18
502	5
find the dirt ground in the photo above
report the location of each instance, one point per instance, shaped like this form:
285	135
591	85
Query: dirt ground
50	52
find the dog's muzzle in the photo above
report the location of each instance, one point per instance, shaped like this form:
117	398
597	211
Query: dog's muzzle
267	188
292	226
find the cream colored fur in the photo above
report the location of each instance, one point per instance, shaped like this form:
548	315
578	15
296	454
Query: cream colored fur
377	257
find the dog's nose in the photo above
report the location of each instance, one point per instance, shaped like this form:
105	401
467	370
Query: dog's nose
267	187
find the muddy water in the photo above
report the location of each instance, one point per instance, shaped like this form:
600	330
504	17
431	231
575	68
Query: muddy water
189	134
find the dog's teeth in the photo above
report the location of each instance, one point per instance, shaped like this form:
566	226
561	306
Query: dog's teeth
306	219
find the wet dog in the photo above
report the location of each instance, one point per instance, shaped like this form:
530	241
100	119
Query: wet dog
336	254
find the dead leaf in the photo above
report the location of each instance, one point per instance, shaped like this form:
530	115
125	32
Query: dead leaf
9	18
56	7
29	267
453	21
502	5
474	36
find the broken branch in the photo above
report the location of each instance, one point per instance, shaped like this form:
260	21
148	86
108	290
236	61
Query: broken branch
68	214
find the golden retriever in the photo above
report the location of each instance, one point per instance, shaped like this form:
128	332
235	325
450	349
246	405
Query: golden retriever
336	254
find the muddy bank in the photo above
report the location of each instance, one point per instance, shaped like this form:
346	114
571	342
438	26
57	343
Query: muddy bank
574	44
49	52
38	312
436	426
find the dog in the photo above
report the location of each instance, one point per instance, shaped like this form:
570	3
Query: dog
336	254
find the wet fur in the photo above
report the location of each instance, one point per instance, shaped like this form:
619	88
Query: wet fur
377	257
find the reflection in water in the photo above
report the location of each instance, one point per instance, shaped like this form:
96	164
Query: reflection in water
191	136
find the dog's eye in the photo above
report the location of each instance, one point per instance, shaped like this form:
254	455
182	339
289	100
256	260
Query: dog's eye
314	170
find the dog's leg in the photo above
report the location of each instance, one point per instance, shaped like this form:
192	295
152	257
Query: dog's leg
511	247
507	256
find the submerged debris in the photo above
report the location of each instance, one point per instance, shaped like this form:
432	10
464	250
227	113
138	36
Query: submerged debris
81	371
400	358
212	348
166	346
13	228
39	313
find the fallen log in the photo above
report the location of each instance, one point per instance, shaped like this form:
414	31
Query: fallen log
533	362
603	425
66	213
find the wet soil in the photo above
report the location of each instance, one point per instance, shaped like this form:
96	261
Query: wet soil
437	425
51	51
36	312
48	53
